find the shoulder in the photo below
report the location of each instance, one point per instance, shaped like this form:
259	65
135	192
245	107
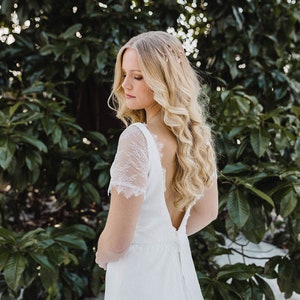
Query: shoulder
133	132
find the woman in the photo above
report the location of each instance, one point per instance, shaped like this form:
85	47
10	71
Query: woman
163	180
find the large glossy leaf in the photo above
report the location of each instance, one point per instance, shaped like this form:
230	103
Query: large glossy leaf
235	168
71	241
4	255
13	271
288	203
258	192
260	140
7	236
7	150
91	192
238	208
42	260
265	288
34	142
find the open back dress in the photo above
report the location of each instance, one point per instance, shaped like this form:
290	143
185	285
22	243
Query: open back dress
158	264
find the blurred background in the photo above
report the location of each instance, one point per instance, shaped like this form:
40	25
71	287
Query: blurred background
58	139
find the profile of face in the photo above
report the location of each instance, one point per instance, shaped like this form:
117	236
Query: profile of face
137	93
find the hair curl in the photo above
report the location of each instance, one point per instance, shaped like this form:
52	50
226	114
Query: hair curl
167	71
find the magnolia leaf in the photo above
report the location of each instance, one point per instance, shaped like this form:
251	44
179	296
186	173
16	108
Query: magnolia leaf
103	178
71	241
235	168
42	260
258	192
97	136
91	191
265	287
13	271
259	140
7	150
70	32
238	208
288	203
34	142
7	236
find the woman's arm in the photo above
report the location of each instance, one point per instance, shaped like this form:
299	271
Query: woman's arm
119	229
205	210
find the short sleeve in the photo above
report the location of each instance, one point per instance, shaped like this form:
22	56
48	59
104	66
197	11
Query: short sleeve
129	171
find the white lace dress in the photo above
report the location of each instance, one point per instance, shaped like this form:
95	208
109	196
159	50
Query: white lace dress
158	264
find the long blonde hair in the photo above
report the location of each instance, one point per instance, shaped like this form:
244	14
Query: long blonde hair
168	73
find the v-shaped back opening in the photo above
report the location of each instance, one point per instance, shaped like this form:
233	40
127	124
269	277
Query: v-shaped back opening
175	224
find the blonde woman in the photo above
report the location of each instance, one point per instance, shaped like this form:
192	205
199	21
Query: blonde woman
163	179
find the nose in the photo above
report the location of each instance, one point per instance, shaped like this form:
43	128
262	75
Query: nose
126	84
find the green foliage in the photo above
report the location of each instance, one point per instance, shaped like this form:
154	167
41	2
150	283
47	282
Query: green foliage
41	256
250	55
54	174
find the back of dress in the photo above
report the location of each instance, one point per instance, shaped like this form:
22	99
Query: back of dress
158	264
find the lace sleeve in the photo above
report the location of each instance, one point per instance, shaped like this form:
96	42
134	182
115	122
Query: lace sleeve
129	170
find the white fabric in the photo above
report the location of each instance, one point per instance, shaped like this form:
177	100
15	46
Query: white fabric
129	169
158	264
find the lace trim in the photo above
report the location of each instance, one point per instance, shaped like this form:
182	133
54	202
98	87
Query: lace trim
126	190
129	171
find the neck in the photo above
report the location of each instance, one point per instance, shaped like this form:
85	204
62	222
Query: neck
153	115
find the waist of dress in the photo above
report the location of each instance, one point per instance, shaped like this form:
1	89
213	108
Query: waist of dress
175	242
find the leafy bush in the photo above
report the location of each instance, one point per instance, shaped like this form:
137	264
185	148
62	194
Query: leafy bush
55	74
52	176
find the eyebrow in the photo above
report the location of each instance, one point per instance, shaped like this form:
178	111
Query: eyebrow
134	70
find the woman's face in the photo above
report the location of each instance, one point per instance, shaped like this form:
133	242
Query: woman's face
137	93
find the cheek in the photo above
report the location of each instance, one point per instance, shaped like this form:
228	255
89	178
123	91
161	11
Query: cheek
148	93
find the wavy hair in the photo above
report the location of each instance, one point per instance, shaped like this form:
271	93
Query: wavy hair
168	73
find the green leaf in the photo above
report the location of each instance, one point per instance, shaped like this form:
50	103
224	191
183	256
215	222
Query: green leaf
238	208
91	191
101	165
34	142
4	255
265	288
235	168
85	55
7	151
56	134
70	32
80	229
258	192
255	228
231	229
13	271
7	235
31	234
6	6
34	89
74	190
48	124
41	260
97	137
13	108
288	203
50	281
259	140
103	178
238	17
71	241
286	272
238	271
84	170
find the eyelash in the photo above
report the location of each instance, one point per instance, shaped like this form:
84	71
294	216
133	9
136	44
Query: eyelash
135	77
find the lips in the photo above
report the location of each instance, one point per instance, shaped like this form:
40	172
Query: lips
129	96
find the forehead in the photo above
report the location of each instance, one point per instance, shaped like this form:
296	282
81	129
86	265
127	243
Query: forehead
130	60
